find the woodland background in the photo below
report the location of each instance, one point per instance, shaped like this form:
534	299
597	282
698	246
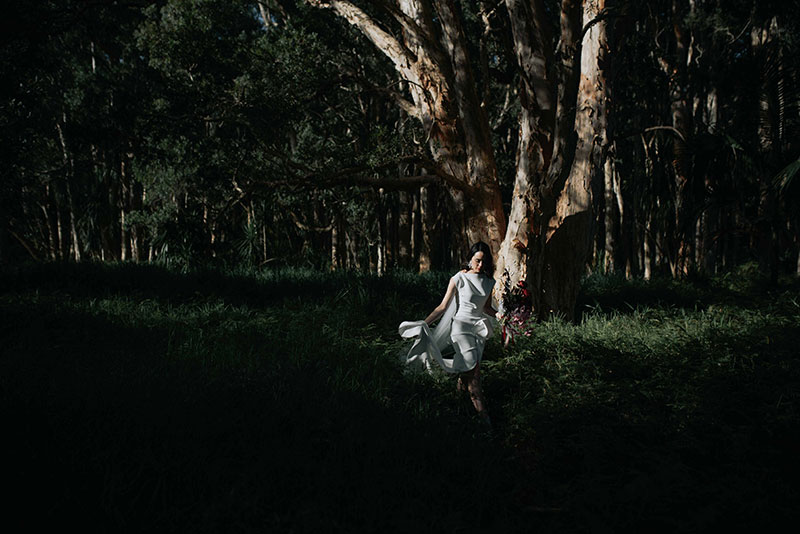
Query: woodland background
258	133
214	215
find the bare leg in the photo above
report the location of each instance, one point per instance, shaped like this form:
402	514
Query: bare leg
473	380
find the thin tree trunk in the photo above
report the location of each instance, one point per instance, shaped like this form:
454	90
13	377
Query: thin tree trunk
60	244
647	253
48	224
415	229
797	272
137	231
681	123
69	174
427	221
124	192
381	245
610	252
403	229
770	132
335	252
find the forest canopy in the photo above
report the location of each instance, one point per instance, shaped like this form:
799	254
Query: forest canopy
643	138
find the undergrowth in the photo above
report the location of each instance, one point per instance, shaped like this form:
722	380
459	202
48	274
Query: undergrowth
137	398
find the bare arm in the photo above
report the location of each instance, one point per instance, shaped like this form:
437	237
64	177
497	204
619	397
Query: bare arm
439	310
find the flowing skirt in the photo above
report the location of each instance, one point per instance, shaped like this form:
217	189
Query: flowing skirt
456	344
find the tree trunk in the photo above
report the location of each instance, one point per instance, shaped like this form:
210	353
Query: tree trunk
335	252
403	229
427	223
353	261
74	248
124	246
433	59
681	123
49	223
560	238
647	253
137	231
532	48
550	186
568	238
513	253
415	229
610	218
771	113
382	233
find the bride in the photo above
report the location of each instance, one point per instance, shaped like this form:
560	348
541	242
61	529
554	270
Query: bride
466	313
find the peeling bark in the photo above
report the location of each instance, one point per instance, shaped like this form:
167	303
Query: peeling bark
433	60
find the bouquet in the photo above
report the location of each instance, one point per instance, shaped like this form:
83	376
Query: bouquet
517	306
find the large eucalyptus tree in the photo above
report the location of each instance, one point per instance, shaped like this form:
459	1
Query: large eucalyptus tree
551	220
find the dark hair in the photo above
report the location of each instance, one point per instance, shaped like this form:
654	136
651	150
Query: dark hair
488	260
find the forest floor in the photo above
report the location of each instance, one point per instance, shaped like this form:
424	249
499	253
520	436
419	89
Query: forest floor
141	398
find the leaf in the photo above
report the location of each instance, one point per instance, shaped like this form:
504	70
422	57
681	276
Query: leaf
784	179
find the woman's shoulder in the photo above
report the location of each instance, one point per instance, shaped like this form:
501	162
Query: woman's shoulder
456	277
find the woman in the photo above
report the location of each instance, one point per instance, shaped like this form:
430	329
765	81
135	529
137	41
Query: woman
466	313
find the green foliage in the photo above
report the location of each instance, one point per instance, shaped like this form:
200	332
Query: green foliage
151	398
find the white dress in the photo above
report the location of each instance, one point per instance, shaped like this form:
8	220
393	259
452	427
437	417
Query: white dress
457	342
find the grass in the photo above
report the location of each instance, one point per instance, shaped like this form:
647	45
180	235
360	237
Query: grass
139	398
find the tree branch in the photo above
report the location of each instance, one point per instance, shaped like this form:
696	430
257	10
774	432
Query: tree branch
24	244
408	24
385	41
603	15
307	228
395	95
668	128
623	135
349	176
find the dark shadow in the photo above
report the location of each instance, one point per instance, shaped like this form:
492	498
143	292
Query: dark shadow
106	429
109	425
693	443
257	288
614	293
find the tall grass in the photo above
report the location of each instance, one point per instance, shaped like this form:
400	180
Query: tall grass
137	397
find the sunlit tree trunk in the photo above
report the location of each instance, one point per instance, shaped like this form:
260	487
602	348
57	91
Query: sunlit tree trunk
74	249
568	237
613	207
532	47
124	245
335	245
427	221
647	252
433	59
610	219
137	231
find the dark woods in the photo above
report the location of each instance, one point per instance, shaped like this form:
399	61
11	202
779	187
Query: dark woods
277	132
177	175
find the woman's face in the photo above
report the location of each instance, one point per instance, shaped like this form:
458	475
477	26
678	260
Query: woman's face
476	262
